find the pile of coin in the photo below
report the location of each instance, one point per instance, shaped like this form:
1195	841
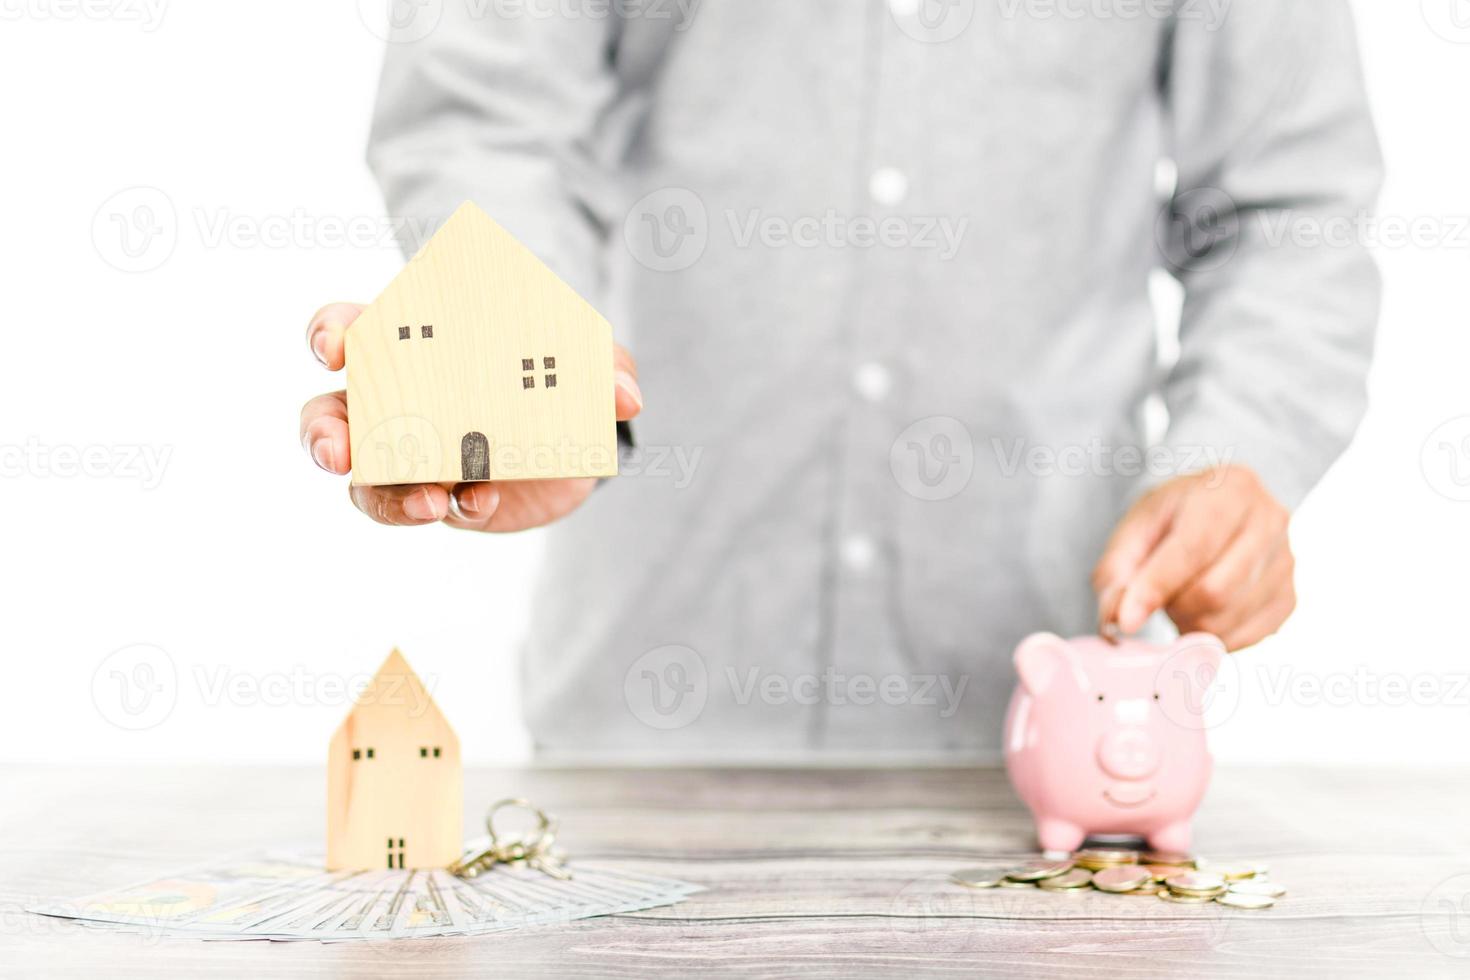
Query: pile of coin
1176	878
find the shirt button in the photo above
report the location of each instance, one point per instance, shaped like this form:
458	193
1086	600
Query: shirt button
872	381
888	186
858	552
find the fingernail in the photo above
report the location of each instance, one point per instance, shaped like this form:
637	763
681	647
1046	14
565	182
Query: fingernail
319	343
625	381
419	505
322	455
473	504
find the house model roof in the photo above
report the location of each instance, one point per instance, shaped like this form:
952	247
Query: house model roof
477	362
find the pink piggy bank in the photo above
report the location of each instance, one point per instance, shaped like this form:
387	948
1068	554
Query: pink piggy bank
1110	739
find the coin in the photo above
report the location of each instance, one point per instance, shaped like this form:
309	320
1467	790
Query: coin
1238	900
1038	870
1148	888
979	877
1186	899
1233	870
1121	878
1076	878
1008	883
1257	886
1195	883
1097	858
1162	871
1173	858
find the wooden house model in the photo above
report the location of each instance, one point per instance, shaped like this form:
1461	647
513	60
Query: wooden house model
394	782
479	363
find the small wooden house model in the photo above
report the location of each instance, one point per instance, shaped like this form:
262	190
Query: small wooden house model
479	363
394	783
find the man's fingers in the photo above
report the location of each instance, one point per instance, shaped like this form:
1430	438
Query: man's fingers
628	397
1196	536
403	506
1135	536
1227	580
1272	603
325	333
473	505
324	432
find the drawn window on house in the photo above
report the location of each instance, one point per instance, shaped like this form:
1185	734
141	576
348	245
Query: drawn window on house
404	333
427	331
395	854
528	367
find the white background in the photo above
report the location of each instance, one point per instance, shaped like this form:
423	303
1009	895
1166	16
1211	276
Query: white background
255	584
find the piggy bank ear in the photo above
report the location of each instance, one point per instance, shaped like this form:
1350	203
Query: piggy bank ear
1040	660
1199	656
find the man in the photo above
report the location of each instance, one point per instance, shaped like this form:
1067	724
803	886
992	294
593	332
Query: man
887	278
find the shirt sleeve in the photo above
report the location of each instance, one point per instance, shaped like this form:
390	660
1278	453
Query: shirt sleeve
506	111
1278	170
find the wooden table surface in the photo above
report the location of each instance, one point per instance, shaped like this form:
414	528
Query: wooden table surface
836	873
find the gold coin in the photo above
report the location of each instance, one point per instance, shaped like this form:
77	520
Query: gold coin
1039	870
1238	900
1097	858
1121	878
1232	870
1172	858
1186	899
1151	888
979	877
1195	882
1162	871
1257	886
1008	883
1076	878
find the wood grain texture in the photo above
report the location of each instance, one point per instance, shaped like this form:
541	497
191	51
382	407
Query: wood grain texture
394	782
826	873
478	363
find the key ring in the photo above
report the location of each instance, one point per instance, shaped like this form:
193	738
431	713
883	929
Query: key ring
520	848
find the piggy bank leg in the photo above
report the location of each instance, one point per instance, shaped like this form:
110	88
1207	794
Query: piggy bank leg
1059	835
1171	837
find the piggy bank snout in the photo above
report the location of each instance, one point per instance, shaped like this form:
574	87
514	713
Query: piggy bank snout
1129	753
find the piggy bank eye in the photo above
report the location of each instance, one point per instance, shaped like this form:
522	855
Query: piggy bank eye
1156	695
1099	697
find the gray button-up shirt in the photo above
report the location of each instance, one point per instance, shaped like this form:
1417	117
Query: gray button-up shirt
886	267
